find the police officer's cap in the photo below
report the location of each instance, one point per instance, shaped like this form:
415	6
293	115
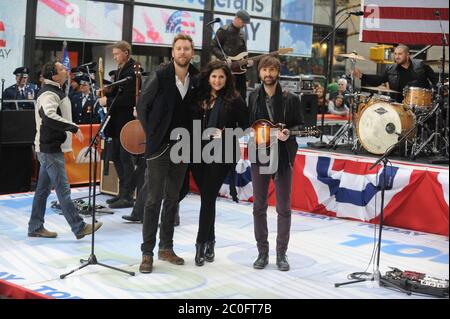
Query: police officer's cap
83	79
243	15
24	71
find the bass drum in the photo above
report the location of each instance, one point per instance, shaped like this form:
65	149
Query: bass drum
379	125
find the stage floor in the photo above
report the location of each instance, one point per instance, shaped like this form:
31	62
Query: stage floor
323	250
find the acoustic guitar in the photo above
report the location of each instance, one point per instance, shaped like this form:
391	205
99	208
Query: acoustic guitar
132	135
239	62
264	128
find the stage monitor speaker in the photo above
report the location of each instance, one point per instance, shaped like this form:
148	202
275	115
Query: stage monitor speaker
109	184
17	127
309	108
15	168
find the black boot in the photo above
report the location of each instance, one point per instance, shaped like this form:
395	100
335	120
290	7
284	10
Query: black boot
209	252
113	199
262	261
282	262
200	254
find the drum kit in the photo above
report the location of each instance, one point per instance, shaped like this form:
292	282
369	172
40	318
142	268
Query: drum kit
377	121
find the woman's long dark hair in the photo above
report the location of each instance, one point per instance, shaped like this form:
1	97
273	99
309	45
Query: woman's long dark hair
228	93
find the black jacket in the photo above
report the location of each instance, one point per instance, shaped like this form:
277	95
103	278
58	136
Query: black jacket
157	103
287	111
232	40
122	109
422	76
231	115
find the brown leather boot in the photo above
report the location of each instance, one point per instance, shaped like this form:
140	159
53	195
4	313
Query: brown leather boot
146	266
170	256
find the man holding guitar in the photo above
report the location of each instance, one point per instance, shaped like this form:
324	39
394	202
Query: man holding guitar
121	113
230	40
269	102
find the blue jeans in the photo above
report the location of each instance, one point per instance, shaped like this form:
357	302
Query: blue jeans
53	173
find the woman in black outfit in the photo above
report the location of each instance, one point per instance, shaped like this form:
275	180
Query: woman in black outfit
219	107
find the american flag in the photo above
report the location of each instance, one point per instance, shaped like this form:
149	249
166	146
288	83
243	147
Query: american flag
412	22
66	62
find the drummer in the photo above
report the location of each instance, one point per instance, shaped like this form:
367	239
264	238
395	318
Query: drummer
404	72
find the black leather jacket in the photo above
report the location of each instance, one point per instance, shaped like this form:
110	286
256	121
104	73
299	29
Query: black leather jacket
232	40
422	76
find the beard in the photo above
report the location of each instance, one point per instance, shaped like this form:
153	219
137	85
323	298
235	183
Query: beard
269	81
180	63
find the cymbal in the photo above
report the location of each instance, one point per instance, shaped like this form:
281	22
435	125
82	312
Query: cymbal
352	56
434	62
379	89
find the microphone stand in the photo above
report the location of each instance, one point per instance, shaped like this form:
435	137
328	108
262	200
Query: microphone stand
218	42
92	260
376	276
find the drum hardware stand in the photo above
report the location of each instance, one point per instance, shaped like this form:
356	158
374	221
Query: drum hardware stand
439	107
347	131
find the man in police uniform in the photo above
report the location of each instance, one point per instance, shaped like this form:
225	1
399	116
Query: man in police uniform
22	90
233	42
83	103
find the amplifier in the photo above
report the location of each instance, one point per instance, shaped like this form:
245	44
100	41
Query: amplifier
297	84
17	127
109	184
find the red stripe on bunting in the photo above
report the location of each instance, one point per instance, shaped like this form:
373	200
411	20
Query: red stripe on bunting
402	37
403	13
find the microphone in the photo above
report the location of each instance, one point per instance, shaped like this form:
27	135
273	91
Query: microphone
390	128
356	13
89	64
213	21
128	78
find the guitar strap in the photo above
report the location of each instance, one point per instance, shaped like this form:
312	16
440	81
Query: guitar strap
269	109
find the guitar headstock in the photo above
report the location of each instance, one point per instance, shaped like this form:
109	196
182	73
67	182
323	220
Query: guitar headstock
282	51
100	74
138	69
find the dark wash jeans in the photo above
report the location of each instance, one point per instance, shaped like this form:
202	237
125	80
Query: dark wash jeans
283	188
164	179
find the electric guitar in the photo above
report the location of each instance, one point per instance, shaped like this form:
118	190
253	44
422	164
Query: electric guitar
238	64
265	132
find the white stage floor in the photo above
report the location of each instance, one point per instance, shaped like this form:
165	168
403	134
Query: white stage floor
322	251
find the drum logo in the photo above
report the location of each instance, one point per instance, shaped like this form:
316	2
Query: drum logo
181	22
381	110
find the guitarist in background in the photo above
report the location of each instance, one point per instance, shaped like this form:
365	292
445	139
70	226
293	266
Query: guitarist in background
269	102
121	113
232	39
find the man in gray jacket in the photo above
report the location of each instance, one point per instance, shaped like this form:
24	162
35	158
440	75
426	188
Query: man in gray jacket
54	128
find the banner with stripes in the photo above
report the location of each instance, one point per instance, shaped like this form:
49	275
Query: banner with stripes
411	22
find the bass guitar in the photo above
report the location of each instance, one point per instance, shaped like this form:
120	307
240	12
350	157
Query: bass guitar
265	132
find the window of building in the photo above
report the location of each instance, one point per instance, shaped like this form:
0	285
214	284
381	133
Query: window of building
79	19
12	32
158	26
257	32
297	10
296	36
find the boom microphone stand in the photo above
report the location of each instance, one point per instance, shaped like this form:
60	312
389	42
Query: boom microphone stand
92	260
